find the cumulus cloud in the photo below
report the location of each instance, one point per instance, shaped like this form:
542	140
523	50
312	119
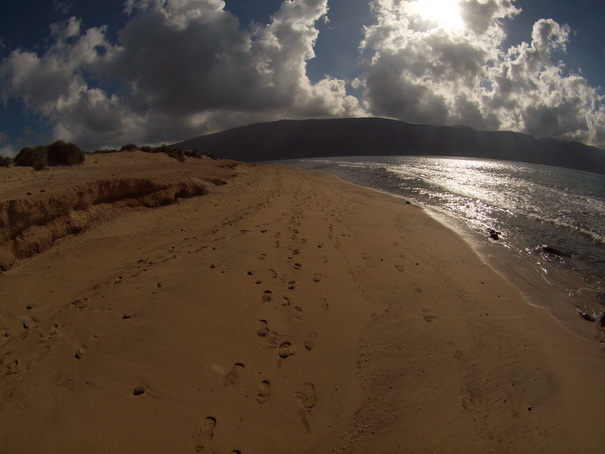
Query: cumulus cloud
534	93
59	85
180	68
419	70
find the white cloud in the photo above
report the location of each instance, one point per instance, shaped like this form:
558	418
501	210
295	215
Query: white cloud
184	67
181	68
534	93
220	68
419	71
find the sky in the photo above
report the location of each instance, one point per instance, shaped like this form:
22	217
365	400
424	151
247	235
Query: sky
104	73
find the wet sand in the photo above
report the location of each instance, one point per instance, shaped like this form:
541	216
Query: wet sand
268	310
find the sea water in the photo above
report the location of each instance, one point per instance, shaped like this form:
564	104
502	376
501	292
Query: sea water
529	206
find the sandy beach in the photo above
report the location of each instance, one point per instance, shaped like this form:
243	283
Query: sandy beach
153	306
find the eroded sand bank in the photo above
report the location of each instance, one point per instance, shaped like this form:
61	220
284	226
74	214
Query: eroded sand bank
274	311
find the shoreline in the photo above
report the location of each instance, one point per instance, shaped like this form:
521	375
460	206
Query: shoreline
558	291
533	282
283	310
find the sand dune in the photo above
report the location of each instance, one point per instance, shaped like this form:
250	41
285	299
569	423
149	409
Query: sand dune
80	197
264	309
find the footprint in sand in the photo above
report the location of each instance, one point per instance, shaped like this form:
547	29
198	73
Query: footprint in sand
292	285
232	376
324	304
264	329
264	393
206	433
272	339
427	316
310	341
285	301
267	296
307	397
457	353
81	303
298	313
286	349
302	415
81	351
317	277
297	266
262	256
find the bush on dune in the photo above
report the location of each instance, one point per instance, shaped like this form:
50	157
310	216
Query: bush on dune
105	151
36	157
179	155
58	153
61	153
129	147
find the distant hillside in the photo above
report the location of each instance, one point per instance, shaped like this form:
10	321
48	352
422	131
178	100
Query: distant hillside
292	139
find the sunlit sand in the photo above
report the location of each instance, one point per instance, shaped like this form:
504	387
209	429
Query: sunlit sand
262	308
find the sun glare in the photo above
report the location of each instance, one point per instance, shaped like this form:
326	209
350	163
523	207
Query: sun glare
444	13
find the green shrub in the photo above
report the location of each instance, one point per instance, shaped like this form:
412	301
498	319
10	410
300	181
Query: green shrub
58	153
179	155
40	165
196	154
36	157
129	147
61	153
5	162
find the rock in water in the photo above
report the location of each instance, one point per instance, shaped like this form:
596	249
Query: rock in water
554	251
585	316
494	235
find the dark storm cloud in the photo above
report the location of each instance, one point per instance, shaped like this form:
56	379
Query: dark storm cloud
180	67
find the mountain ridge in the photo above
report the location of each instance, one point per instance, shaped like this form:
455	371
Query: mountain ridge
296	139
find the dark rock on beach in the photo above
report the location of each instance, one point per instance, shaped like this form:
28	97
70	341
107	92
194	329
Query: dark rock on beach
138	390
554	251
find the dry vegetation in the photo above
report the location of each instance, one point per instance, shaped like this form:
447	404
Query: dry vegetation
61	153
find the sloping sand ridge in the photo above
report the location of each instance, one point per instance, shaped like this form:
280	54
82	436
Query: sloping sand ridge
264	309
31	223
